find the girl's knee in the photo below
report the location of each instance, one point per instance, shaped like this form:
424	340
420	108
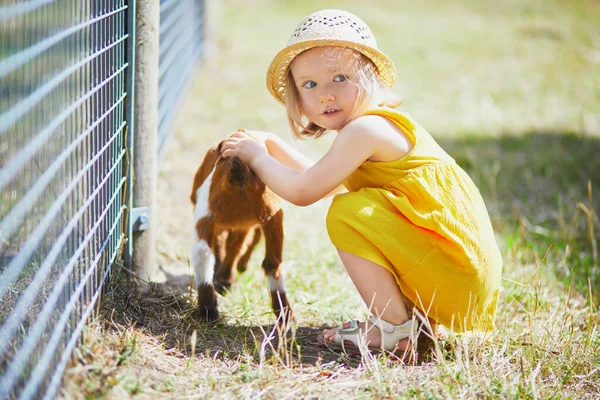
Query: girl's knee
338	215
351	209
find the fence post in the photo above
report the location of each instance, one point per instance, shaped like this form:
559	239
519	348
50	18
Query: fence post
143	216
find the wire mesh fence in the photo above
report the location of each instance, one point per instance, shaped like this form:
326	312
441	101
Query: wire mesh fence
65	111
181	44
63	157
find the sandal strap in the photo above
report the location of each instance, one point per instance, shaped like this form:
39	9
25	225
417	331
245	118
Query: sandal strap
352	327
351	333
392	334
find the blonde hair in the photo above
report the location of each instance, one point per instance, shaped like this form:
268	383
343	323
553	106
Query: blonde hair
370	92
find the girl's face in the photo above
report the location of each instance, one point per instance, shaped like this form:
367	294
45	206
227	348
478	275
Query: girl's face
323	78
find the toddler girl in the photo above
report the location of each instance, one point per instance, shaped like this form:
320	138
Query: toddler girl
412	231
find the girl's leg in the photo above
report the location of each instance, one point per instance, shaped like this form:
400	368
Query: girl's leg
379	290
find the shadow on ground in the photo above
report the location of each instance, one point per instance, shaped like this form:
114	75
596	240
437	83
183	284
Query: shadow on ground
543	193
172	317
537	188
535	172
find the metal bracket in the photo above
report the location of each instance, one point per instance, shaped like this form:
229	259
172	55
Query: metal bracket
139	219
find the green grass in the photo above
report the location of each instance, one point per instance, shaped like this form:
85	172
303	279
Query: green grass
510	89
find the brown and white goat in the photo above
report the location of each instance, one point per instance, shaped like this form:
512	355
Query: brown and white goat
232	207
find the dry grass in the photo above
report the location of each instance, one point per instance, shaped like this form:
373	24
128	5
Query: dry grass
510	90
142	346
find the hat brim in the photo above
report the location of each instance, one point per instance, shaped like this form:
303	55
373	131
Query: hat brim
281	62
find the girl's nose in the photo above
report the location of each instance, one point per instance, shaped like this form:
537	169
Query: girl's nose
327	98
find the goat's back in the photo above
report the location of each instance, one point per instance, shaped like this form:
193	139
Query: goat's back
236	198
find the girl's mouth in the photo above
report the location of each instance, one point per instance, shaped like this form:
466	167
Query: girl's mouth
330	113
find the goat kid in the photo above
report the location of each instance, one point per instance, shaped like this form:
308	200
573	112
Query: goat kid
232	207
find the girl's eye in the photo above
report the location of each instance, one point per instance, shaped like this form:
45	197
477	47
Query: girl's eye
339	78
310	84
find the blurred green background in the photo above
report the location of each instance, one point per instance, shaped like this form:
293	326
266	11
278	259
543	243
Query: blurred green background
510	88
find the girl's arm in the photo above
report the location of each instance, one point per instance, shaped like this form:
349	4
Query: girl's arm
286	154
349	150
281	151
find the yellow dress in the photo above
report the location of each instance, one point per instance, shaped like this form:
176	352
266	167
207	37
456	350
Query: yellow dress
422	218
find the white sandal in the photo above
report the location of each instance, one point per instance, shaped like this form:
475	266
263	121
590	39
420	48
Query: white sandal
390	336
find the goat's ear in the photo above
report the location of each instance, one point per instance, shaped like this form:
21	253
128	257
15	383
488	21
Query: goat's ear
210	159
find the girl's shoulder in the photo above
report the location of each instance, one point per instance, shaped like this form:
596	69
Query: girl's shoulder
368	124
398	121
384	135
398	117
361	131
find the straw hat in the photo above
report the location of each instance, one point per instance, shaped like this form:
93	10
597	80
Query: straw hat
328	28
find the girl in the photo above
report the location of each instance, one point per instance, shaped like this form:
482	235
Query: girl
412	231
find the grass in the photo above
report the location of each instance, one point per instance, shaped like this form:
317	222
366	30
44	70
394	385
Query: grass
510	89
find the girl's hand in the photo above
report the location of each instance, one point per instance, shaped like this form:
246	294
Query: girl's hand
259	136
242	145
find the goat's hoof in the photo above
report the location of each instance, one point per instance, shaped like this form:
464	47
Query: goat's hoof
222	287
207	315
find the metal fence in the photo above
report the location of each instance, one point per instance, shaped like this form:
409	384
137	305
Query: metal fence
65	134
181	43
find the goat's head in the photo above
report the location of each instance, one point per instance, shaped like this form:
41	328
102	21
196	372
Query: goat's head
236	173
239	172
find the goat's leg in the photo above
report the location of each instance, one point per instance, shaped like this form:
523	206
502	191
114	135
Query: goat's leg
219	248
224	273
242	263
273	231
203	262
